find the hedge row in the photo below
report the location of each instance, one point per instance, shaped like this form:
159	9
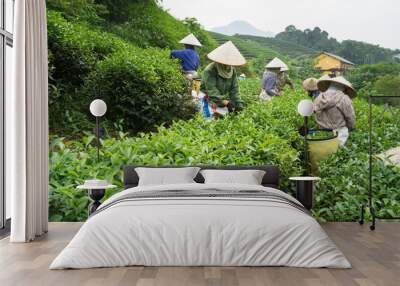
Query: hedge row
264	133
141	86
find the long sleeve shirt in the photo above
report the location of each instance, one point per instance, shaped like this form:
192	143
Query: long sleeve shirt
283	79
189	59
333	110
218	88
269	83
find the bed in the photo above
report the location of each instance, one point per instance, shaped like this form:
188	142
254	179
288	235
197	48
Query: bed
201	224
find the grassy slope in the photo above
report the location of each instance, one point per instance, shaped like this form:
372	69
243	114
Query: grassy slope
77	44
285	48
259	51
250	49
267	48
151	26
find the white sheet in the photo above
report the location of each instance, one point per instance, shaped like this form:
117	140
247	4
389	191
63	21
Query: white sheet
201	231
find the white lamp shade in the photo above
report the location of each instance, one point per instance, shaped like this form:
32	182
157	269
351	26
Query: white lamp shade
98	107
305	107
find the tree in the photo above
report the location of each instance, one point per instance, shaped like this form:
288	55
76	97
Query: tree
364	77
290	29
388	85
364	53
316	38
357	52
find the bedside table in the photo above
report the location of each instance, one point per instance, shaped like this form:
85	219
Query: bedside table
305	190
96	193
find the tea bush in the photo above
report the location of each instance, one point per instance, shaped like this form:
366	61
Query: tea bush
344	185
261	134
264	133
388	85
364	75
147	25
143	87
89	11
74	50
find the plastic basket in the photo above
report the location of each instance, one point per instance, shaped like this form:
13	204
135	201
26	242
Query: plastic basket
320	148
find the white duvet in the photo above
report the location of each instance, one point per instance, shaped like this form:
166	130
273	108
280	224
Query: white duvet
200	231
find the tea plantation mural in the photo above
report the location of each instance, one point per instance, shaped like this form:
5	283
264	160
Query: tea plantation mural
99	50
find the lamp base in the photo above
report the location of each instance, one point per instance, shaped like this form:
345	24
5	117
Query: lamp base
96	195
304	193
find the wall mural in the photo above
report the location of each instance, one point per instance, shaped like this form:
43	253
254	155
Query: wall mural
176	94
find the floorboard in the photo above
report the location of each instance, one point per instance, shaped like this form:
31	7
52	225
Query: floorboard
375	257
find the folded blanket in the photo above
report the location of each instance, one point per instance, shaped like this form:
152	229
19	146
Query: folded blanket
205	193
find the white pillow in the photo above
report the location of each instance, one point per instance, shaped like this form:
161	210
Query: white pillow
248	177
166	176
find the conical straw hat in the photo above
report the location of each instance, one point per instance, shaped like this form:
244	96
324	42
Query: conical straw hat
324	77
190	40
310	84
285	68
324	82
227	54
276	63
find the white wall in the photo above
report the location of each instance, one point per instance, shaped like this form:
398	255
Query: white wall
8	98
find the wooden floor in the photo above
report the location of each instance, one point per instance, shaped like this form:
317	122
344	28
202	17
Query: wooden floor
375	257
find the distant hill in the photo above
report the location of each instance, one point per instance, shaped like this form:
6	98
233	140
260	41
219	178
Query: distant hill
242	28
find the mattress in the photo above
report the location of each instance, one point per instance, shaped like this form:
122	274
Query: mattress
201	225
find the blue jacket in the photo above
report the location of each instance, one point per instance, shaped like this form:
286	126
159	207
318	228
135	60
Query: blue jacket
269	83
190	59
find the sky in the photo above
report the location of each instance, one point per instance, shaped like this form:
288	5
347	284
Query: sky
372	21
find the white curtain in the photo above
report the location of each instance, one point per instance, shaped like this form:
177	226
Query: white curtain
27	124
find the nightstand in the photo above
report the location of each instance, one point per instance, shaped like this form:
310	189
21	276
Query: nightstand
96	191
305	190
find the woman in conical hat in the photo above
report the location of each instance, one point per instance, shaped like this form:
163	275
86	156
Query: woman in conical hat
276	63
189	58
219	81
269	85
325	82
334	108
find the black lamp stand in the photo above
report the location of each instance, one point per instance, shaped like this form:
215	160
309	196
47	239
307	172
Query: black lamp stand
98	138
370	204
307	165
96	194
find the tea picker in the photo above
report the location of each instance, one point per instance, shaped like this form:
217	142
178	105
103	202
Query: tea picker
219	81
189	58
